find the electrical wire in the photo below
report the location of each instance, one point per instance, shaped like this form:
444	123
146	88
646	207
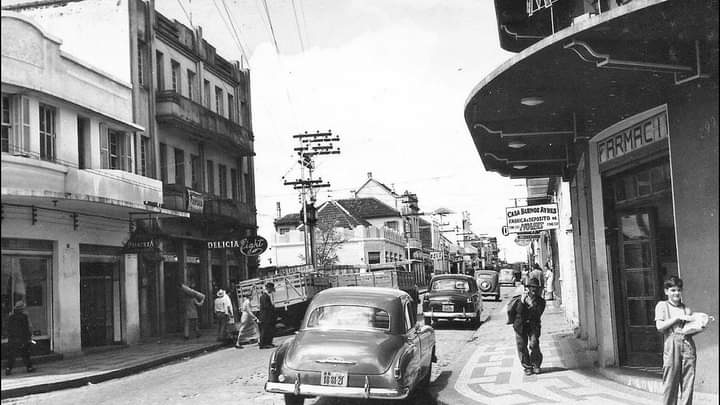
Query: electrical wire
189	16
236	32
231	29
272	30
297	24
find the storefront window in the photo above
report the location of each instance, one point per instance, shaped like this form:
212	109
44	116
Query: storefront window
26	279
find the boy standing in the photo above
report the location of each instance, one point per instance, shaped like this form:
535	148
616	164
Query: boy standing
527	311
678	348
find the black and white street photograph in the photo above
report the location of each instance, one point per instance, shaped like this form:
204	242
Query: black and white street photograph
359	202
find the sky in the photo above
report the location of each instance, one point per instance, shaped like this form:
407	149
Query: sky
390	77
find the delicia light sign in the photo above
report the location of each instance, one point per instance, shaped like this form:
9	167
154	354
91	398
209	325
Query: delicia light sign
249	245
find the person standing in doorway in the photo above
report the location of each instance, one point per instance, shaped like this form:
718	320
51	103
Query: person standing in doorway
527	309
19	338
549	280
223	313
679	355
268	317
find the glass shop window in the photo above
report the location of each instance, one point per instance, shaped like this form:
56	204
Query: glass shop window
25	278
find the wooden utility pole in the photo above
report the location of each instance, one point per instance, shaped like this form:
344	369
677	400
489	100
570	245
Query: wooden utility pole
311	145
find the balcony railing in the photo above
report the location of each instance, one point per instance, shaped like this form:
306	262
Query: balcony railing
176	197
174	109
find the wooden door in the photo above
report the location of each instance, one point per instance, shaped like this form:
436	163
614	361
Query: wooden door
640	287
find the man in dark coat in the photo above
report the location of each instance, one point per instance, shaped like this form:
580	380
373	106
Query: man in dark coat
268	317
19	338
528	309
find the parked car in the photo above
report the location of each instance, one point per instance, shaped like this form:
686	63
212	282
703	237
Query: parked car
451	297
355	342
507	277
487	281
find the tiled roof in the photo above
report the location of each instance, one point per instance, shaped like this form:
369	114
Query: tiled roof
367	208
289	219
331	214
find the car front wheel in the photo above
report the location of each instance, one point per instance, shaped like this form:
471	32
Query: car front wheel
294	399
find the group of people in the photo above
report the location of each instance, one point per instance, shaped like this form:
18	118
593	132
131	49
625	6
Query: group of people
250	329
671	317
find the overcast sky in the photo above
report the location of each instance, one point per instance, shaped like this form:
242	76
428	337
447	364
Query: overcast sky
390	77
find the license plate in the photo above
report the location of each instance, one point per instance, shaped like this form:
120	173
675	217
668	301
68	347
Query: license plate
333	378
448	308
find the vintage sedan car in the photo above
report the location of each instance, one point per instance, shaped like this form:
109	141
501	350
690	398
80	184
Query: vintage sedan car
507	277
487	281
355	342
452	297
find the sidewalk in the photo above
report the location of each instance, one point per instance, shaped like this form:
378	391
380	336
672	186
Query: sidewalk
97	366
569	375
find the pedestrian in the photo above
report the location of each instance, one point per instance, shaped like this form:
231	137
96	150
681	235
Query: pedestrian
268	317
247	331
549	279
192	299
223	314
679	354
524	314
19	338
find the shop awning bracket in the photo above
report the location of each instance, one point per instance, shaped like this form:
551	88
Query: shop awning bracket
680	72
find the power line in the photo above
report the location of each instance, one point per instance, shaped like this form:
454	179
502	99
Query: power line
188	15
272	30
297	24
236	31
231	28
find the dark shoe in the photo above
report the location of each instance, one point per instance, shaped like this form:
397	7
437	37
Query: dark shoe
536	370
8	371
30	369
528	371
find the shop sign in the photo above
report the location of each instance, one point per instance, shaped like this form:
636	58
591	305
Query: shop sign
249	245
195	201
528	236
253	245
532	218
640	135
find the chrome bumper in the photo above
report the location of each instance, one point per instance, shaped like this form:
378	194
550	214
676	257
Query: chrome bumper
450	314
346	392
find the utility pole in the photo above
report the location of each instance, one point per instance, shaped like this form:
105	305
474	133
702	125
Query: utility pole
311	145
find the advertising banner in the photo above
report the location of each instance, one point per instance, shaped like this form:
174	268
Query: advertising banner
532	218
195	201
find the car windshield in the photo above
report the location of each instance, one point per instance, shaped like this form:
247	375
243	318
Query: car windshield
349	317
450	284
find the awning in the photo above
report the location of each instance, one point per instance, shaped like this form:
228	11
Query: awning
528	116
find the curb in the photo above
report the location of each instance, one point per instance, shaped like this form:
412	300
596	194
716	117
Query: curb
100	377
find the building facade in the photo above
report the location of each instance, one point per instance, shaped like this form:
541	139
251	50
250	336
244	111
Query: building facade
619	100
197	140
72	186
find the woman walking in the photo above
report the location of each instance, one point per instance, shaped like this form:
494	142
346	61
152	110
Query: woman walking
247	331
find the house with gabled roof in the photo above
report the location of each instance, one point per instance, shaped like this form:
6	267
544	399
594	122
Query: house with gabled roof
366	227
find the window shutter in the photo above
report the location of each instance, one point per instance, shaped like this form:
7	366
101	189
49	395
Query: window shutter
21	126
104	153
127	153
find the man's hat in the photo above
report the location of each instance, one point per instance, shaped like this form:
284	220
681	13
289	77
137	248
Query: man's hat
221	293
533	282
19	305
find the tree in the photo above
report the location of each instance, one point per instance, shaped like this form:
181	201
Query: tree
327	243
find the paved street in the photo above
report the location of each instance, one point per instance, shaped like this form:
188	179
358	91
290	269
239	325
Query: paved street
474	367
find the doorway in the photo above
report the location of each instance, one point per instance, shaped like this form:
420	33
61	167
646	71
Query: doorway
96	304
641	247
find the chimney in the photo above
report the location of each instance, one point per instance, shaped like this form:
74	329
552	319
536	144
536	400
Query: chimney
369	175
279	213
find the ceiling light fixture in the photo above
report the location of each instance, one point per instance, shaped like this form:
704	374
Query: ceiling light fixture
531	101
520	167
516	144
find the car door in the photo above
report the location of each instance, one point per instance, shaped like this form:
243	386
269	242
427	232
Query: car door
412	335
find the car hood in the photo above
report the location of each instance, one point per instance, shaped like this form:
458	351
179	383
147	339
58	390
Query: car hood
447	296
357	352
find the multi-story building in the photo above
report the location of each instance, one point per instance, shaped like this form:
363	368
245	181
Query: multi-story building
194	108
72	185
363	230
619	99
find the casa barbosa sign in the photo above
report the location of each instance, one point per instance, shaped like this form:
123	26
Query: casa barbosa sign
532	218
